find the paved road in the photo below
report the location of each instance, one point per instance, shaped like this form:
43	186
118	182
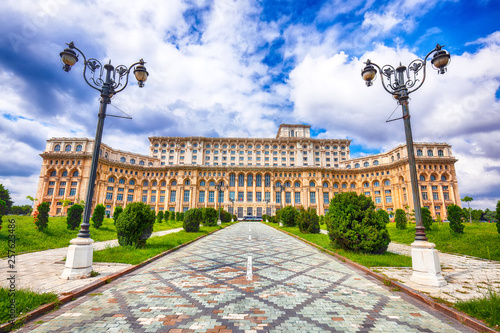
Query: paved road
245	278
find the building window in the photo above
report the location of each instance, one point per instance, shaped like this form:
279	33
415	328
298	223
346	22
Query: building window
211	196
424	196
109	196
172	196
376	183
162	198
378	200
446	196
267	180
267	196
297	197
288	197
186	195
258	180
258	196
249	196
250	180
440	153
119	197
422	178
429	153
201	197
312	184
419	152
388	199
232	179
241	180
326	197
130	197
312	196
435	196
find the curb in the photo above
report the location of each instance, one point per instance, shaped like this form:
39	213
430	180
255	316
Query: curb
73	295
450	312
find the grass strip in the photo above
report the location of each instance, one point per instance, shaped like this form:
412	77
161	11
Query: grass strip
387	259
29	239
154	246
25	301
486	308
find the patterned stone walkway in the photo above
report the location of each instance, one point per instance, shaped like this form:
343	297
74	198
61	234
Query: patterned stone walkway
245	278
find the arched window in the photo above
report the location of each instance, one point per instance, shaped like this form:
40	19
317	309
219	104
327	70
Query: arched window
57	148
173	183
53	174
375	162
132	182
312	184
376	183
258	180
440	152
366	164
106	155
398	156
64	174
249	180
344	185
278	184
111	179
433	178
79	148
150	164
366	184
212	183
122	159
121	181
202	183
145	183
336	185
325	184
155	183
232	179
132	161
297	184
241	180
419	152
392	158
429	153
267	180
422	178
141	162
348	166
67	148
187	182
353	185
443	178
75	174
356	165
163	183
287	184
221	183
387	182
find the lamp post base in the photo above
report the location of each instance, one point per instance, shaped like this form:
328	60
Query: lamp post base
426	265
79	259
219	222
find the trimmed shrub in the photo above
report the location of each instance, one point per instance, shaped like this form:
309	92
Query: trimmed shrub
98	216
384	215
182	216
400	219
116	213
278	215
135	224
42	218
235	218
498	216
74	217
3	211
264	217
455	215
308	221
192	220
354	225
426	218
209	216
322	219
272	219
289	216
159	217
225	217
166	216
177	216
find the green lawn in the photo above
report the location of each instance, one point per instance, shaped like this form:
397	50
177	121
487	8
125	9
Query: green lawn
29	239
369	260
154	246
478	240
26	301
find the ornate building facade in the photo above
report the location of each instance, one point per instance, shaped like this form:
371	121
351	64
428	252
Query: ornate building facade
257	175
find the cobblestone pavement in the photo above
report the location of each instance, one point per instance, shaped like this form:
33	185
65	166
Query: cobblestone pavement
41	271
245	278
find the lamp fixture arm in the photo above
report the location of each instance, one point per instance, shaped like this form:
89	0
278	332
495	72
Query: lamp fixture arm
123	71
382	74
71	45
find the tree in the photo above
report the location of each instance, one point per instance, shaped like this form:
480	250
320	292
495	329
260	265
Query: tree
209	216
30	198
498	216
135	225
384	215
98	216
178	216
65	203
159	217
74	217
354	225
468	200
455	215
42	216
116	214
3	210
289	216
192	220
307	220
20	210
400	219
426	218
477	214
5	196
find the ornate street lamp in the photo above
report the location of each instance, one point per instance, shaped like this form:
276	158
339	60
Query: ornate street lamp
232	215
400	82
219	187
109	81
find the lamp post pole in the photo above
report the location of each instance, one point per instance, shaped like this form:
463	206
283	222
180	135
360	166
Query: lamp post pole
109	81
278	188
402	81
232	215
219	187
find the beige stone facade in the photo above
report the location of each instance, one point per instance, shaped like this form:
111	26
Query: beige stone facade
181	173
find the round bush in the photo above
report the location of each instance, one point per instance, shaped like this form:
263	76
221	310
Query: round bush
289	216
384	215
455	215
209	216
308	221
42	218
74	217
192	220
116	213
426	218
135	225
400	219
98	216
354	225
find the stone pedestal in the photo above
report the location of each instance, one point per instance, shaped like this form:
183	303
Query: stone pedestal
79	259
281	224
219	222
426	265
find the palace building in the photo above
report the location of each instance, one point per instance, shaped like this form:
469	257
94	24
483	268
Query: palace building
245	176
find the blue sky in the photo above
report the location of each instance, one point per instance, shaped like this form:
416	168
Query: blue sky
240	68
